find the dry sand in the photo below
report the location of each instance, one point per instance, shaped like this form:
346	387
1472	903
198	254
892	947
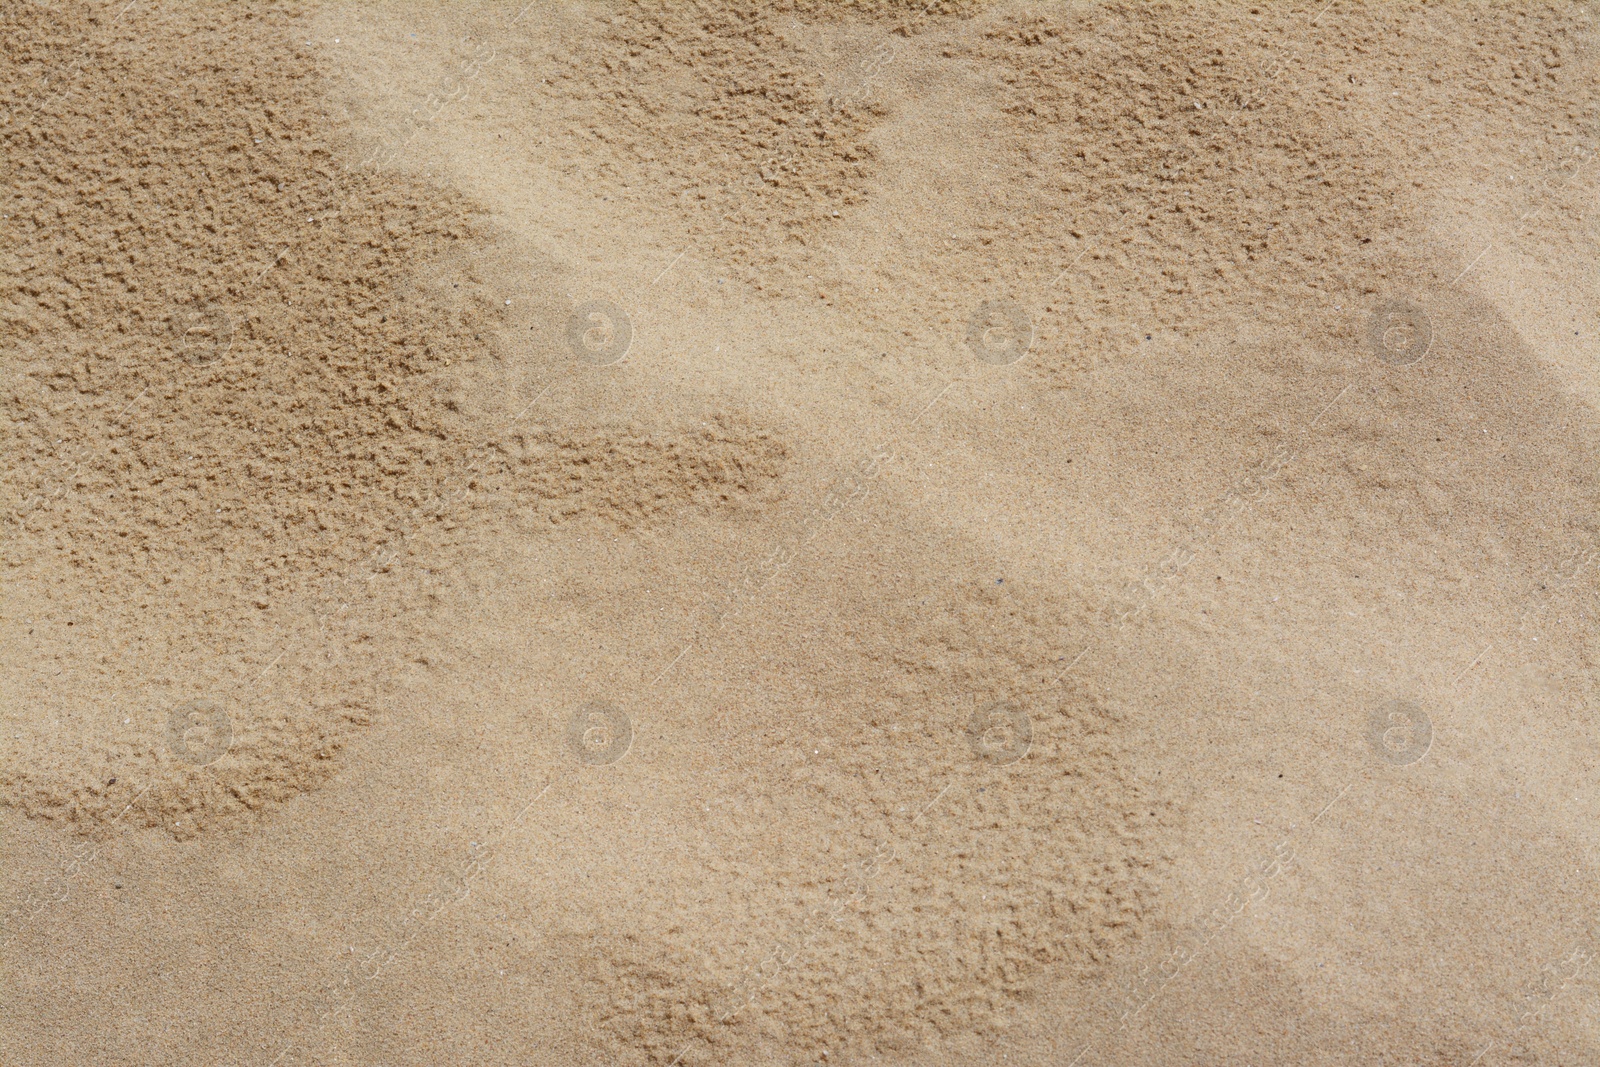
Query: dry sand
689	533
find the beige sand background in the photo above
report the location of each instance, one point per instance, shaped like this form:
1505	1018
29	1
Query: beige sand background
321	534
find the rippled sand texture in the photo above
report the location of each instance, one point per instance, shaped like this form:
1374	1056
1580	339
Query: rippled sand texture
718	532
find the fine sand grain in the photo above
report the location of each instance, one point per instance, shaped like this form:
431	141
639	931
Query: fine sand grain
806	533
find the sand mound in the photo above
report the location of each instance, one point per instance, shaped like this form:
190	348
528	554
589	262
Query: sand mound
885	842
239	390
778	153
1155	170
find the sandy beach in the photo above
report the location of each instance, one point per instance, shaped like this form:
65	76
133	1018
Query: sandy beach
878	532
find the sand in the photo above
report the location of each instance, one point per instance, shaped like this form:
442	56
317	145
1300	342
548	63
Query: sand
688	533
